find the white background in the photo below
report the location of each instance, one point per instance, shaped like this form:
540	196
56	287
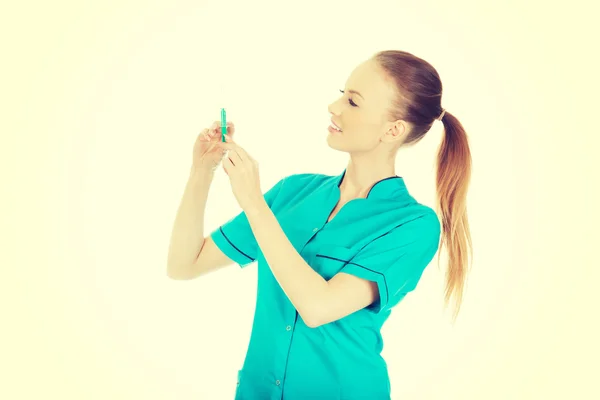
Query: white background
100	108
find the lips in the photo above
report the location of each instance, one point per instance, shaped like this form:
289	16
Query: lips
336	126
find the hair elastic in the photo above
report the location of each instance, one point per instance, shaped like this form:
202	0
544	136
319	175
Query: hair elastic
442	114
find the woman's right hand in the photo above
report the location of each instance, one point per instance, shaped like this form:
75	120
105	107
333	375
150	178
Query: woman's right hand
206	152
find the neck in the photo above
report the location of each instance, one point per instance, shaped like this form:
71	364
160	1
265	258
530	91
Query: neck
362	173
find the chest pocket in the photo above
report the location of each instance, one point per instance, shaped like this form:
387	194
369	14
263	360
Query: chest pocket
329	260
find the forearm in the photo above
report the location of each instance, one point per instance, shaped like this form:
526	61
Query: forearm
187	236
305	288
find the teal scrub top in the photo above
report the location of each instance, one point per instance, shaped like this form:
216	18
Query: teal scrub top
387	237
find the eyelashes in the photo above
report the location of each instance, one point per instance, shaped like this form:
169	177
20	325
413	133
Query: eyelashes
353	104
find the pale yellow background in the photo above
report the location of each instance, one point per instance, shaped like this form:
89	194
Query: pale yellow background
102	101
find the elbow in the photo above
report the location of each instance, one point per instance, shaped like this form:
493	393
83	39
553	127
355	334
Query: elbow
177	273
314	319
317	313
177	277
313	324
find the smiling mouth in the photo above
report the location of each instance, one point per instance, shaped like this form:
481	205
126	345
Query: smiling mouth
335	128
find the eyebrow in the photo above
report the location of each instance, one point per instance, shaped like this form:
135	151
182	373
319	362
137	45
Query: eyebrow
354	91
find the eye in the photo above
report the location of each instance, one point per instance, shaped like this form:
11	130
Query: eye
353	104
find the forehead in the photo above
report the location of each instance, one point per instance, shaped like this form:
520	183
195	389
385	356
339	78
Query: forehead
372	82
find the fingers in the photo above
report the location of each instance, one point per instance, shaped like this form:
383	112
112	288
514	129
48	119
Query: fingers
212	146
242	152
207	134
230	146
227	165
203	135
217	123
227	146
236	153
234	157
216	128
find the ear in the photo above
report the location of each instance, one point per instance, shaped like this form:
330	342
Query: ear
396	132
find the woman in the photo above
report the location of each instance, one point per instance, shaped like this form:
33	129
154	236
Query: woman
335	253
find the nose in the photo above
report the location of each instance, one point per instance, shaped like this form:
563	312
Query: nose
334	104
330	109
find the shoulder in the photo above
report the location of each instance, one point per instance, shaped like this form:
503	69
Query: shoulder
416	215
423	226
308	177
306	181
427	221
416	224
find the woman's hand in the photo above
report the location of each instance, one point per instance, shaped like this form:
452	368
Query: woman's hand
243	174
206	152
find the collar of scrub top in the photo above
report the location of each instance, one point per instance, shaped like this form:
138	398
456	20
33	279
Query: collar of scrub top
386	188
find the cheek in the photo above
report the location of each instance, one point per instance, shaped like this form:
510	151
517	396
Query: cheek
354	141
362	139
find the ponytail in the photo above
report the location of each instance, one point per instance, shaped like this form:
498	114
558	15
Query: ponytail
418	101
452	182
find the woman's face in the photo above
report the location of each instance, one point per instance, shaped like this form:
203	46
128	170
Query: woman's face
361	112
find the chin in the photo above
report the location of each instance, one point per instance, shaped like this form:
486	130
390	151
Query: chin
335	143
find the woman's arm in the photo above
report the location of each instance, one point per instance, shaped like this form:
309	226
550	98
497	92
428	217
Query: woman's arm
190	253
318	301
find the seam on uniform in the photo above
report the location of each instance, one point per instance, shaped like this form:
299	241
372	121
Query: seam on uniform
332	258
376	272
234	246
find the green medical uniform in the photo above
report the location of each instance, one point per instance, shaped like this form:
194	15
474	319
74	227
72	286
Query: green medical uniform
387	237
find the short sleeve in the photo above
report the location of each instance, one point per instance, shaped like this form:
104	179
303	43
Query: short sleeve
396	260
235	237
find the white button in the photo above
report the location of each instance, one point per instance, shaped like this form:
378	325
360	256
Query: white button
277	382
316	229
287	328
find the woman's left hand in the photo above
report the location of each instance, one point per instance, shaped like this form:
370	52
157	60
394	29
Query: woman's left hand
242	171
